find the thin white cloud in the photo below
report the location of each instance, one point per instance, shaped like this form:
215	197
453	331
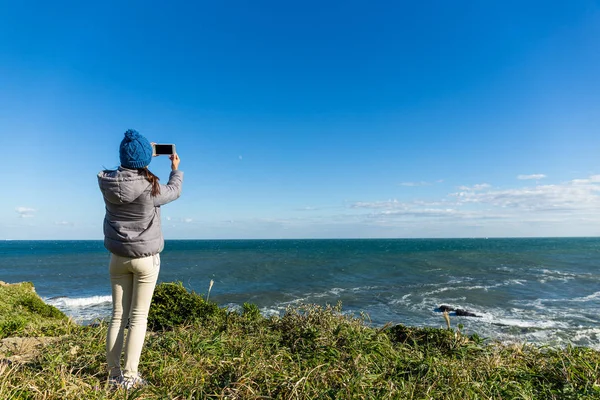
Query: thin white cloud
187	220
64	223
25	212
560	209
421	183
440	203
535	210
591	179
531	177
307	208
578	194
398	205
415	184
387	204
425	212
474	188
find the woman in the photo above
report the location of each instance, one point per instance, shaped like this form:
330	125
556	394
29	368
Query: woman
132	234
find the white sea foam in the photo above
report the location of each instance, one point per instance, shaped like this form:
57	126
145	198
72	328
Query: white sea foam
584	299
504	268
550	275
83	309
475	287
508	282
401	301
78	302
233	307
521	282
524	323
555	272
337	291
539	303
364	288
591	297
327	296
328	293
270	311
590	336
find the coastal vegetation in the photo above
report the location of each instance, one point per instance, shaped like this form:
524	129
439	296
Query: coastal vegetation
198	350
23	312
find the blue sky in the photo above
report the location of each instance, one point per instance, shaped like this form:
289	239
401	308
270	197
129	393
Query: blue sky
307	119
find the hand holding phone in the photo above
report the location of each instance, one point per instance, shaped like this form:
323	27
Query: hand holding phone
159	149
174	162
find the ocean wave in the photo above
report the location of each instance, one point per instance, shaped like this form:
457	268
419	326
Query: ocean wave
326	293
330	296
475	287
546	271
553	275
78	302
505	268
539	303
364	288
524	323
593	296
589	336
508	282
490	316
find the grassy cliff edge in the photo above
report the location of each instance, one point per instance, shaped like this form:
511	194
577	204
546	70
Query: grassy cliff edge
197	350
24	313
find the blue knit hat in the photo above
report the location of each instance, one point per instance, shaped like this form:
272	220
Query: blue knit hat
135	150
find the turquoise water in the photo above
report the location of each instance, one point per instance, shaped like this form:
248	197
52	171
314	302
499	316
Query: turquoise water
536	290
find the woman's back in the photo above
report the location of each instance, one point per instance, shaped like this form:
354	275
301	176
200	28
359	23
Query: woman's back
132	233
132	225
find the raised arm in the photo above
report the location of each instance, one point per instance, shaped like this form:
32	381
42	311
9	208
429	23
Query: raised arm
172	190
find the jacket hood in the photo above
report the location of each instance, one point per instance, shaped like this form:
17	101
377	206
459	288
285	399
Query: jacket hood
122	185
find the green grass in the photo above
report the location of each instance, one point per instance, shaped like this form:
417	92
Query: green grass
200	351
23	313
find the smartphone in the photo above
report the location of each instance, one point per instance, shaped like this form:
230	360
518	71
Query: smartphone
163	149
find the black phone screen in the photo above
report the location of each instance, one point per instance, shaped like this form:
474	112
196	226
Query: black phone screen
161	149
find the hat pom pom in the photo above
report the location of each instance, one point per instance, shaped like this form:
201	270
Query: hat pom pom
131	134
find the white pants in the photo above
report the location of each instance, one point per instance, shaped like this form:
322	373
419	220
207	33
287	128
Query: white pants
132	281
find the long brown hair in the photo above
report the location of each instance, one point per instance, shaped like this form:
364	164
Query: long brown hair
153	179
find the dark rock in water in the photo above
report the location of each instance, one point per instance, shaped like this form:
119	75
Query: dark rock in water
459	312
464	313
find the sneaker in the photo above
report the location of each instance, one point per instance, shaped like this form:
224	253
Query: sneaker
115	382
135	382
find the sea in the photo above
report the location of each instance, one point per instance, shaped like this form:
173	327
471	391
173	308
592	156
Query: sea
525	290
